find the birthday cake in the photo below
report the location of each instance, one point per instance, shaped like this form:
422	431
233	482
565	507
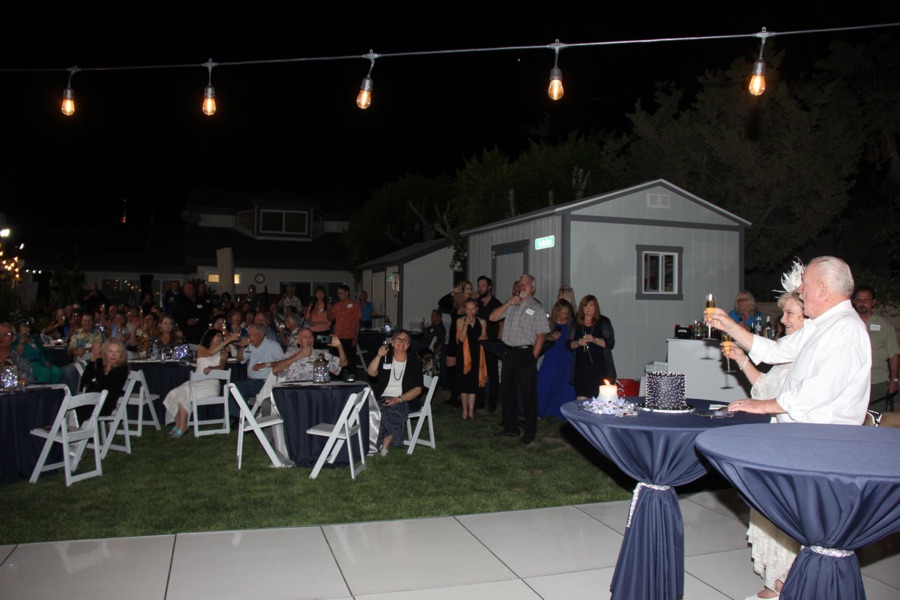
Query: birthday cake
665	391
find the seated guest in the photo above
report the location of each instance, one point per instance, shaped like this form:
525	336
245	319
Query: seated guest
236	323
140	336
398	380
210	355
28	345
80	345
7	350
290	332
167	339
299	365
263	318
57	328
107	370
260	353
745	312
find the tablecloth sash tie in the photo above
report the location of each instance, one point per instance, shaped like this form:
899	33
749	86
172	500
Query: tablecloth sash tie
634	498
832	552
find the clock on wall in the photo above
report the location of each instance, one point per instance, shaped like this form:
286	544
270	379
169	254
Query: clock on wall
260	278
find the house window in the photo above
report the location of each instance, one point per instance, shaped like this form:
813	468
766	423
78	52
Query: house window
284	221
659	273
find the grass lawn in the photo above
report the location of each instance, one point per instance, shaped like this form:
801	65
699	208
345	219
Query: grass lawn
172	486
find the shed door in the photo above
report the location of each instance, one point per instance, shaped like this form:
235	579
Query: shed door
509	262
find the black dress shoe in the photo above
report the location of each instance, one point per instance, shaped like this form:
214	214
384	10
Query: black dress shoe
525	440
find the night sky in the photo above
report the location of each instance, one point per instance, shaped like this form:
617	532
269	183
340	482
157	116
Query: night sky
140	135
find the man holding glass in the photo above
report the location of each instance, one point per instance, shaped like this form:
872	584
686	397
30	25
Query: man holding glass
832	358
525	325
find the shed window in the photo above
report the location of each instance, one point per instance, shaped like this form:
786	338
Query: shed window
659	272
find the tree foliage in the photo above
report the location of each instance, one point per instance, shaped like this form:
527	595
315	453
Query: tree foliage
784	161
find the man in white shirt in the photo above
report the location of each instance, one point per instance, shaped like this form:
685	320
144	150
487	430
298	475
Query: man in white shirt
832	356
260	353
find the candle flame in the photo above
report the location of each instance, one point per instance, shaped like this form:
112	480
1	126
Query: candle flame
606	382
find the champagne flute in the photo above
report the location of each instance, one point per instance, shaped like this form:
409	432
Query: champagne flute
710	305
726	345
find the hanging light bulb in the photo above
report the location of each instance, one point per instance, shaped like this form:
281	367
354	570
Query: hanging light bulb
68	103
556	91
209	92
758	76
364	98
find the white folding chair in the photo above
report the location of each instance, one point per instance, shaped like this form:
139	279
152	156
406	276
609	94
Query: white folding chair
109	425
141	398
73	439
251	420
200	398
342	431
422	415
361	354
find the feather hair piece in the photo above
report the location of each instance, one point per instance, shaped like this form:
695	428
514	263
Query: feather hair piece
791	280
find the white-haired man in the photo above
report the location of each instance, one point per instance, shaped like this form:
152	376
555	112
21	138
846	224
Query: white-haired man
832	356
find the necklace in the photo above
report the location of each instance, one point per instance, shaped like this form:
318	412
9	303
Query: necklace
394	373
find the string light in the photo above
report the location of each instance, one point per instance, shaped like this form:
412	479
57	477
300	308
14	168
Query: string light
555	91
209	93
758	77
68	103
364	98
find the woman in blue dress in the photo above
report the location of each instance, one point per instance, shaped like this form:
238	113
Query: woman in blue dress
553	386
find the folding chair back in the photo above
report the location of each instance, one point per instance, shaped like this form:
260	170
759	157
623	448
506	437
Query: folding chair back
342	431
422	415
361	355
251	420
73	439
110	425
141	397
201	395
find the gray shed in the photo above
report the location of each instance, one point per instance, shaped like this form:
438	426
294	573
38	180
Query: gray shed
407	284
649	253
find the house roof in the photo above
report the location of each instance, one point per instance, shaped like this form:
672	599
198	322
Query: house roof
570	207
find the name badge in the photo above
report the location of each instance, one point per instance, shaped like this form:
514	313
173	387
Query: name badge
874	327
199	306
529	311
387	366
349	305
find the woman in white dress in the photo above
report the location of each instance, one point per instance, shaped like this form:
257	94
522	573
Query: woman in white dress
210	355
772	551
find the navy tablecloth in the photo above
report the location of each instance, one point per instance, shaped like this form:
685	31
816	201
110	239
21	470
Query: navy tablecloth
827	486
656	449
305	406
20	412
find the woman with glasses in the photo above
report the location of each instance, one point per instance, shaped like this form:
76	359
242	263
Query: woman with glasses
745	312
397	374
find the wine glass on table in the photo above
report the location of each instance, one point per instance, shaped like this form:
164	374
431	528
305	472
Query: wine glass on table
710	305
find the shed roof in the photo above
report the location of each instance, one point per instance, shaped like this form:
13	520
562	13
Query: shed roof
575	205
406	255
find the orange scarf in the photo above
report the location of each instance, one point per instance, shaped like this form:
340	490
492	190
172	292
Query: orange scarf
467	362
